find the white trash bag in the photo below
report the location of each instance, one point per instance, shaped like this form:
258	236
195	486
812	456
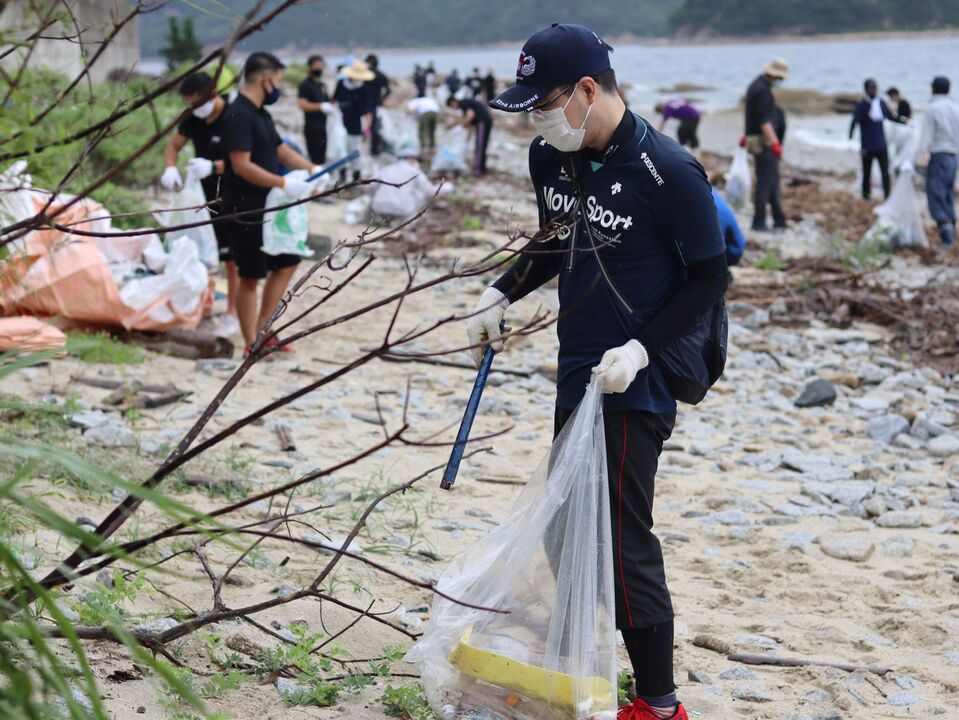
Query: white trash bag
190	207
450	156
739	180
899	220
285	231
174	292
550	652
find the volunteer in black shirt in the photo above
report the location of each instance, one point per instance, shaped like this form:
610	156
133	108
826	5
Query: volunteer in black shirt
254	152
475	116
205	129
903	109
640	262
764	144
353	96
314	101
379	89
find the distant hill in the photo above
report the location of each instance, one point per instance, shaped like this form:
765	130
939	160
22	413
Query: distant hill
407	23
712	18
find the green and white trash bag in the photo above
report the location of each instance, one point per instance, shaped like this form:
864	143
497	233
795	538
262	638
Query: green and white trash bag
285	231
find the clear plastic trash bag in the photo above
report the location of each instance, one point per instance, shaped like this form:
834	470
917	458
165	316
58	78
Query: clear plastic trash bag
899	222
739	180
190	207
550	651
450	156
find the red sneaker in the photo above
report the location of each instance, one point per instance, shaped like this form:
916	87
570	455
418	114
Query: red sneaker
272	343
639	710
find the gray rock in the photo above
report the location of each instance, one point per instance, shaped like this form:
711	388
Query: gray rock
111	434
89	419
898	546
289	689
698	676
907	683
160	625
925	428
902	699
875	506
729	517
332	543
79	697
885	427
817	394
855	548
737	672
943	446
797	539
208	365
751	694
900	519
909	442
871	403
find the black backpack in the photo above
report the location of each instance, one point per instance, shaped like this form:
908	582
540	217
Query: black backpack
693	362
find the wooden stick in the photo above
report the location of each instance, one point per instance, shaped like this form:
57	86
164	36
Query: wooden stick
123	392
147	403
105	384
285	434
802	662
499	481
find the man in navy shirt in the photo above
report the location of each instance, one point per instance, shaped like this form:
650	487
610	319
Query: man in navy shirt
640	260
478	119
868	115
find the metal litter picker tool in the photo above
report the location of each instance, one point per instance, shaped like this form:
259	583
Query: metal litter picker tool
453	466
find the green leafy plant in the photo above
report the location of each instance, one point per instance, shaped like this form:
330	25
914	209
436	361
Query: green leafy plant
769	261
406	701
103	348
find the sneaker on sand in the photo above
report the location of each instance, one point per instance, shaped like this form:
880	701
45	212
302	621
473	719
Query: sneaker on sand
227	326
639	710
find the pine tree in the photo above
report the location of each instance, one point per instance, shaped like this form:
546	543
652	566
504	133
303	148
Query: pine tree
182	45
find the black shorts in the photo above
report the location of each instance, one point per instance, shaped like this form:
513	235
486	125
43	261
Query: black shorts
246	246
634	441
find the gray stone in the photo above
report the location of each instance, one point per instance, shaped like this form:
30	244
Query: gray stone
909	442
737	672
885	427
900	519
875	506
797	539
751	694
332	544
729	517
943	446
871	403
288	689
160	625
208	365
907	683
855	548
925	428
816	394
698	676
849	492
898	546
89	419
902	699
112	434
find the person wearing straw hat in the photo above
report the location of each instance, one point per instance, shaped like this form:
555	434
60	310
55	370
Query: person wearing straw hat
352	95
764	144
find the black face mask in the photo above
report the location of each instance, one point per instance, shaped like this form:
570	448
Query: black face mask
317	74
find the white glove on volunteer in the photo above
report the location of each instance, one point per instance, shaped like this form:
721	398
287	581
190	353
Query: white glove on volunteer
199	168
483	326
322	183
620	365
907	166
170	179
296	188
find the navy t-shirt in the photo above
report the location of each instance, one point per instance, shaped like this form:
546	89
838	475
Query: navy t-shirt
355	102
649	203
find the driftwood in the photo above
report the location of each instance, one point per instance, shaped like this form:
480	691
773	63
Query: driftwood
724	648
148	402
183	343
402	358
500	481
105	384
124	392
285	435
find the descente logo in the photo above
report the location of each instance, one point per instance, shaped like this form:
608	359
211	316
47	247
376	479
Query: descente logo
652	169
557	201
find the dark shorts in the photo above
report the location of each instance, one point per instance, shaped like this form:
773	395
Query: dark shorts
246	243
687	132
220	229
634	441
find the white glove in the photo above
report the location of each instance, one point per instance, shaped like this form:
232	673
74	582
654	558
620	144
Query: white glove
296	188
322	183
620	365
326	107
199	168
907	166
483	326
170	179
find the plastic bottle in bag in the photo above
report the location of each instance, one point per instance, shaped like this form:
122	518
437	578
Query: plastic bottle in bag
738	179
550	651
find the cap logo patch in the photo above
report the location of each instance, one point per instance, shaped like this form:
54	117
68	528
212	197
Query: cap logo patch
526	66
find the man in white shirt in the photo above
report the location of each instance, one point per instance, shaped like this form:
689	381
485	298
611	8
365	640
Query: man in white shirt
426	110
940	139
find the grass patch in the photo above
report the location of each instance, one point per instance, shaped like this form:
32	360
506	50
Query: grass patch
471	222
103	348
770	261
408	701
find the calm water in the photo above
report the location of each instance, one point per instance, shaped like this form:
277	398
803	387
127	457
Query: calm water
834	66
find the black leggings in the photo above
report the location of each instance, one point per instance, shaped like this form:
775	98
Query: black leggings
867	157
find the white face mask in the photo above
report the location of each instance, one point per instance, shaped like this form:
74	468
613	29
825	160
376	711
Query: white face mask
556	130
205	110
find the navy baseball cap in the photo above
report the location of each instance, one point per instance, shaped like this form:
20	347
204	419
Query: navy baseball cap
555	56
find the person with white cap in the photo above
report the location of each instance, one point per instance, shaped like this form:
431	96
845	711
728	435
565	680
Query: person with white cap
637	247
764	144
356	106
